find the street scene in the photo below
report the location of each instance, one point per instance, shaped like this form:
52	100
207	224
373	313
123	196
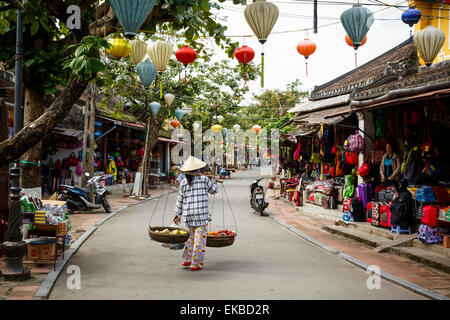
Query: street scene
214	151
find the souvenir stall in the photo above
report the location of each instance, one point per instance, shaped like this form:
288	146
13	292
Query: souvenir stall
406	175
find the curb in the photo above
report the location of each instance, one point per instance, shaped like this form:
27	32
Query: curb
48	283
406	284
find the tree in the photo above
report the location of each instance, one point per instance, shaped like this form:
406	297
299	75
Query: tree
46	40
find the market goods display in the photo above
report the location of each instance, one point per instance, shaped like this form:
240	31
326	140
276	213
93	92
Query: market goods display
168	234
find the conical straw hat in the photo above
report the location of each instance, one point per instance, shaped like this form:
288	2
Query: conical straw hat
192	164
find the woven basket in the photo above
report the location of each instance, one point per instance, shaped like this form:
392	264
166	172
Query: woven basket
218	242
165	237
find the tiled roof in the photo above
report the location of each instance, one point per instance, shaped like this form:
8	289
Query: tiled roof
309	106
364	75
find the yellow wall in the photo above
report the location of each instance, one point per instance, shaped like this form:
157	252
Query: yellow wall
440	20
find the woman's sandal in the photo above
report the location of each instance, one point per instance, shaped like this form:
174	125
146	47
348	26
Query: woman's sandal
196	268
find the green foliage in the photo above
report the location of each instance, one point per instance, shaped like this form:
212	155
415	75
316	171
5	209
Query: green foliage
86	61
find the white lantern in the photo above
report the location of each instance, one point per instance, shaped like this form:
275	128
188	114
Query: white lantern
220	119
236	127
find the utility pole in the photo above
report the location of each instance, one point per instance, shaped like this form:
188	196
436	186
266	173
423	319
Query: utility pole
14	248
88	136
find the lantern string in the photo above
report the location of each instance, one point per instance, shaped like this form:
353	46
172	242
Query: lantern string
160	88
356	60
306	63
185	76
262	66
315	17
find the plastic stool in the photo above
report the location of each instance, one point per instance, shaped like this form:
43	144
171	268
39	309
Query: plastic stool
398	230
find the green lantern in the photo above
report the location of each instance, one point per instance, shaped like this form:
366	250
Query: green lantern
357	21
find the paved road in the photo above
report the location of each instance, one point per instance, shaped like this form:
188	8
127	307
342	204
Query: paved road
266	262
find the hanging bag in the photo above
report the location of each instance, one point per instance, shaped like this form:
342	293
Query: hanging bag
79	169
315	157
427	142
364	170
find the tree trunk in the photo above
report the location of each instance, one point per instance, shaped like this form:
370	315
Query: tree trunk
31	134
30	176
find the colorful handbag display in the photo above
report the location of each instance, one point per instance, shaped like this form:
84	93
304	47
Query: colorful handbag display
430	214
364	170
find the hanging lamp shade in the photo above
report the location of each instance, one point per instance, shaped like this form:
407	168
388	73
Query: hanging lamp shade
179	114
131	14
196	126
236	127
138	50
224	131
169	98
306	48
256	128
357	21
411	17
350	43
174	123
160	52
261	17
220	119
244	55
429	41
119	48
185	55
147	72
154	106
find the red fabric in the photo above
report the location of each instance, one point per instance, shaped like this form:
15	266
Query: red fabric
430	215
351	157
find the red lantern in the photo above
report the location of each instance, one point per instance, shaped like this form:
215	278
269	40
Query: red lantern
185	55
244	55
306	48
174	123
350	43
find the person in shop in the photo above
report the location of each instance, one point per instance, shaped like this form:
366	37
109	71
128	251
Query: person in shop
192	206
390	166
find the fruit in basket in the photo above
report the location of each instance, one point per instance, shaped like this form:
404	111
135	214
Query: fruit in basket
221	233
166	231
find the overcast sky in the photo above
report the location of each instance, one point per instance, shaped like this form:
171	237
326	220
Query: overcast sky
333	56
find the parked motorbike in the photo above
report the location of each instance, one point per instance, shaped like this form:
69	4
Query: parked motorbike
257	197
78	198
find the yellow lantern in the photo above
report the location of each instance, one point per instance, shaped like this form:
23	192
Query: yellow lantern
216	128
160	52
119	48
138	50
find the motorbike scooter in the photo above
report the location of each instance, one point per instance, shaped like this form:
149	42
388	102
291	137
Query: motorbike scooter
257	197
78	198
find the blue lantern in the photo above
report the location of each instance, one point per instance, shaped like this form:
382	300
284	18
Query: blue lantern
131	14
98	124
224	132
146	72
357	21
411	17
154	106
97	134
179	114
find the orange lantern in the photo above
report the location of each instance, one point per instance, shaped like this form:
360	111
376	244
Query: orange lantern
174	123
256	128
306	48
350	43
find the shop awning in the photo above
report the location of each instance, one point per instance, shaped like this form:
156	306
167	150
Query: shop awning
397	101
169	140
310	106
131	125
69	132
328	116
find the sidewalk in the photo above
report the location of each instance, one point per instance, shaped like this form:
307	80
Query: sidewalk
25	290
400	267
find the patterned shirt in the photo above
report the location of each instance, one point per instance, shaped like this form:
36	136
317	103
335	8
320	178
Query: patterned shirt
192	202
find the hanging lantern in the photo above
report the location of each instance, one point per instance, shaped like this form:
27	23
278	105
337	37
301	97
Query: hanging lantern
147	72
256	128
154	106
236	127
216	128
119	48
244	55
224	131
179	114
411	17
350	43
220	119
357	21
131	14
160	52
185	55
169	98
138	50
261	17
429	41
306	48
174	123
